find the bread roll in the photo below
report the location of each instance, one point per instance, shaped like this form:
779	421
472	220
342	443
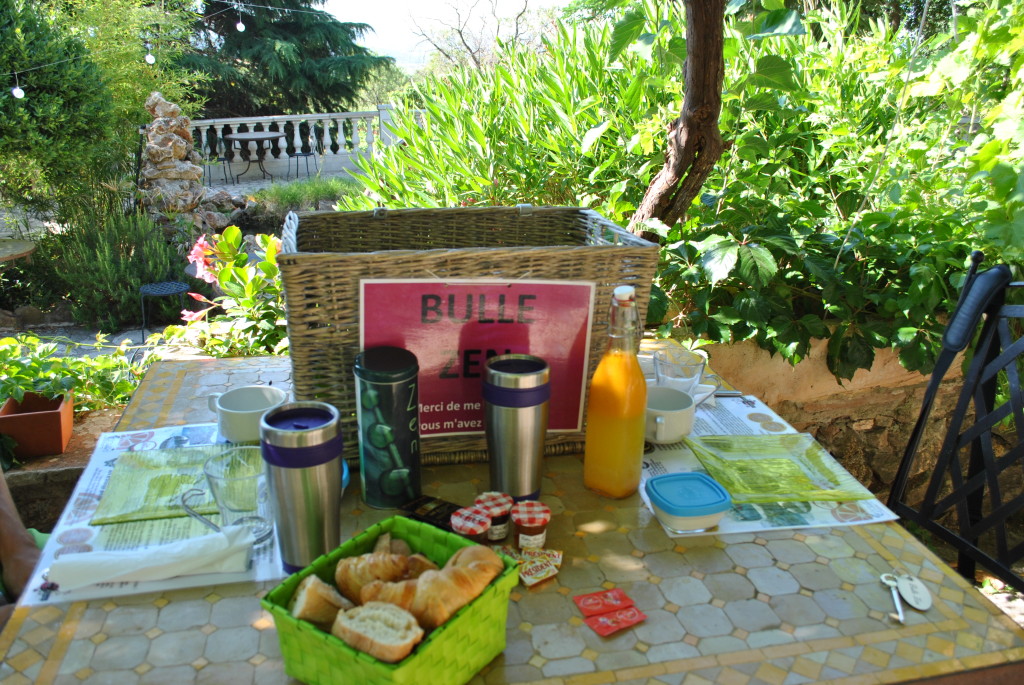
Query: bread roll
352	573
383	631
386	543
383	543
436	595
317	602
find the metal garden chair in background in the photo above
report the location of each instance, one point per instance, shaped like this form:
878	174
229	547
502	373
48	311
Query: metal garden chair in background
974	496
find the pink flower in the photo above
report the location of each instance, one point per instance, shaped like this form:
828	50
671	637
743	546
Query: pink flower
187	315
198	256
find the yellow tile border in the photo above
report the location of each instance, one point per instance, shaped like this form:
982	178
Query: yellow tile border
13	627
68	628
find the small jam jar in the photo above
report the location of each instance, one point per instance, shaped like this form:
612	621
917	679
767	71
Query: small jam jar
472	523
497	505
531	519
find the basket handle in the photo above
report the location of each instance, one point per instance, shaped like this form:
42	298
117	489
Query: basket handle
289	233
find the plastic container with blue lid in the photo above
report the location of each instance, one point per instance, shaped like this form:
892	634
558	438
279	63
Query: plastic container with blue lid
688	502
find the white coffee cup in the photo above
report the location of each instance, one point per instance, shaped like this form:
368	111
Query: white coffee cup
239	410
669	415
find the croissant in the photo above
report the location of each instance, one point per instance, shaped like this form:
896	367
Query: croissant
436	595
352	573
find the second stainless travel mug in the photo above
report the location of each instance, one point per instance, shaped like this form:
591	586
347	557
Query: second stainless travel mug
516	393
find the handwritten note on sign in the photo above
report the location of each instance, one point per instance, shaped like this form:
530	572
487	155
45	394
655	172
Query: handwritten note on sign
454	326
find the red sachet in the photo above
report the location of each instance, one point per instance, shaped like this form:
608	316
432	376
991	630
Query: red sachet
602	602
614	621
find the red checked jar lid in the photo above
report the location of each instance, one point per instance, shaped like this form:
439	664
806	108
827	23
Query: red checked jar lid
497	505
471	522
531	519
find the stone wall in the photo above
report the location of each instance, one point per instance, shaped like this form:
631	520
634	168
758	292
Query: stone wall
865	423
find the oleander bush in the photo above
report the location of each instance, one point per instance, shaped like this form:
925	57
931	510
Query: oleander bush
862	170
248	316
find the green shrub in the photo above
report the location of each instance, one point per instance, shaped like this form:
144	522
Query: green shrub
104	255
29	363
305	193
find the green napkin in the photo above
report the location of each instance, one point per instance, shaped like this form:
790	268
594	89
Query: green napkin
148	485
791	467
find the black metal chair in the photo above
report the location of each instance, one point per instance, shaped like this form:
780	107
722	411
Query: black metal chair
308	150
160	289
974	495
216	156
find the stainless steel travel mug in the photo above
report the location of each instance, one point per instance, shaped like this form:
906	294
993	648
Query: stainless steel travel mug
301	444
388	414
516	393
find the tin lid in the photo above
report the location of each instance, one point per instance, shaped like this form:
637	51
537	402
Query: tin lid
386	364
531	513
688	494
494	503
470	520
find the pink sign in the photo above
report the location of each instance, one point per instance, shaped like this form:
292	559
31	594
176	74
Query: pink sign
454	326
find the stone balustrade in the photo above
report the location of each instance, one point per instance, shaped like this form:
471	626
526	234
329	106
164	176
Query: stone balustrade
336	139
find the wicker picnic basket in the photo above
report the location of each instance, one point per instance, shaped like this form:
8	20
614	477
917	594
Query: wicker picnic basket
325	254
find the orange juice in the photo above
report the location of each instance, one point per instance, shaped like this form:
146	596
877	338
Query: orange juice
614	449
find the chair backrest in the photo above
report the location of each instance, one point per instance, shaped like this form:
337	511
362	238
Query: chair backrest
974	495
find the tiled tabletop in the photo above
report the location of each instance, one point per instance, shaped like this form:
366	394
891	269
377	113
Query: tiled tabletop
782	607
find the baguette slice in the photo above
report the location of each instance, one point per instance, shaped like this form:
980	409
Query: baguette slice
384	631
317	602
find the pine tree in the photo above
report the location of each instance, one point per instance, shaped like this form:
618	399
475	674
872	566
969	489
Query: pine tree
290	59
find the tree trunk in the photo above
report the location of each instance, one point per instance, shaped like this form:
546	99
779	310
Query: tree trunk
694	141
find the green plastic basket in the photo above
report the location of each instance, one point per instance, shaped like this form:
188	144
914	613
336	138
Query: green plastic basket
453	653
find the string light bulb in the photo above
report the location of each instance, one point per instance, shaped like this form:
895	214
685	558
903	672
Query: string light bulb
240	26
17	92
150	59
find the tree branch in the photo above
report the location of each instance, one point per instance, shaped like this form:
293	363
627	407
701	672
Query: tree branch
694	142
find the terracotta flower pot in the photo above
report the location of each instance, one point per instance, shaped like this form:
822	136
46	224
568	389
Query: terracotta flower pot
41	426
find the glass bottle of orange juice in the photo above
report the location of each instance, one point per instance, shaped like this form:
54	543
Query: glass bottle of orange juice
613	453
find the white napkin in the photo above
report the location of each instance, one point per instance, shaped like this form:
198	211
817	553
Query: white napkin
229	551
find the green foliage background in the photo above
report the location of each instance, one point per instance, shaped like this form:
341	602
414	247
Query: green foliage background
81	64
291	59
61	127
863	168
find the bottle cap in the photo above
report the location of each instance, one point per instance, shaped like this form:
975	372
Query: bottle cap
624	293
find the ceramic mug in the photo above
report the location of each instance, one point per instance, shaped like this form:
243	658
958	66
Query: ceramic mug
669	415
239	411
